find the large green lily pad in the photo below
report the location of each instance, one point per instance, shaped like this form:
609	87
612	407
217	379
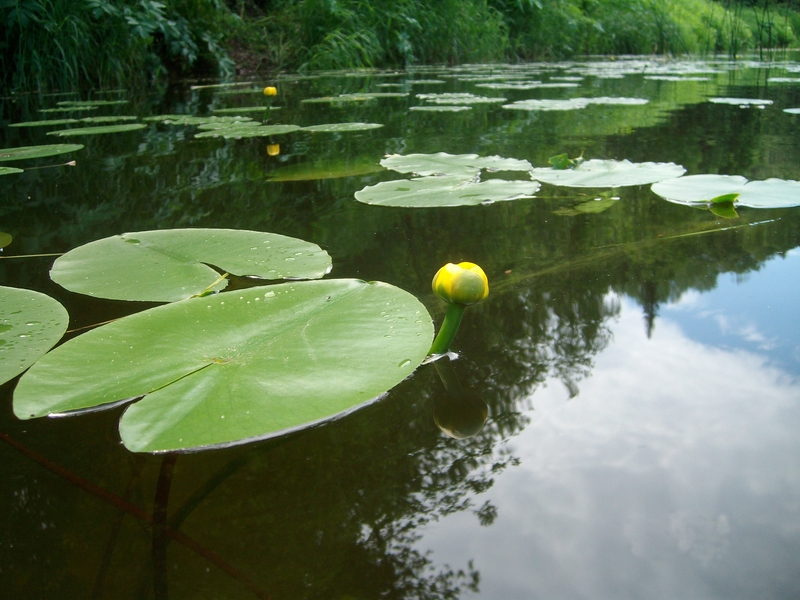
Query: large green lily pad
444	191
30	324
457	165
6	238
705	189
608	173
172	264
103	129
239	366
26	152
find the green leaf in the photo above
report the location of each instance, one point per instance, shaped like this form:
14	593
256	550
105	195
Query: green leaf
238	366
98	130
704	189
30	324
456	165
341	127
725	210
10	170
444	191
608	173
172	264
5	238
25	152
725	198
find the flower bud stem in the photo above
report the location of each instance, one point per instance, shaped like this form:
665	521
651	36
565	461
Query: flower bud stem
448	330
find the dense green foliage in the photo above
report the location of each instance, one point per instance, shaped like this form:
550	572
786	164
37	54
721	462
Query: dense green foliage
62	44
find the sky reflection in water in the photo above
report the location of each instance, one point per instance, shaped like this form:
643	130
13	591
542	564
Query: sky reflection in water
650	484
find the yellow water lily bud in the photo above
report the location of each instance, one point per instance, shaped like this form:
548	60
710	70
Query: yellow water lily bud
464	283
273	149
270	91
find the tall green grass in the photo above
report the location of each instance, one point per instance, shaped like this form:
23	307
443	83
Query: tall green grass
66	44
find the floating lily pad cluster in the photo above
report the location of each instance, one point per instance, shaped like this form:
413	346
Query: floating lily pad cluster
448	180
722	193
215	369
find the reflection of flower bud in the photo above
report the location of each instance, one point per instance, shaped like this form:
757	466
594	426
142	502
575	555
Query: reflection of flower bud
464	283
274	149
270	91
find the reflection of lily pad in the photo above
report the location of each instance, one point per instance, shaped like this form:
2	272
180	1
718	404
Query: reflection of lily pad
703	189
30	324
608	173
330	169
169	265
98	130
457	165
342	127
25	152
10	170
45	123
596	205
444	191
239	366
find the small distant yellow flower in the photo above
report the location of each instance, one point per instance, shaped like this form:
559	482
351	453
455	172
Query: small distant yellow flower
464	283
270	91
274	149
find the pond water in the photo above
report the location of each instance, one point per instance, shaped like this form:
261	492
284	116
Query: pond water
639	358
